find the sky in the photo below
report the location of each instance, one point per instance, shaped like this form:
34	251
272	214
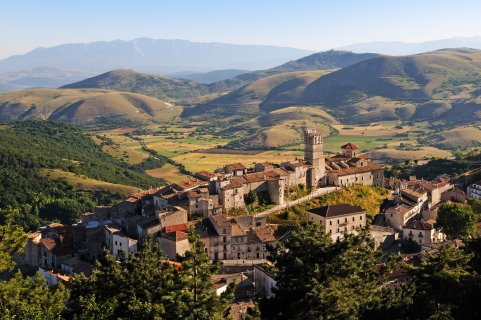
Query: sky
308	24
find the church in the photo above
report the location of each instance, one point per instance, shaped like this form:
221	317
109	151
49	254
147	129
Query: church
347	168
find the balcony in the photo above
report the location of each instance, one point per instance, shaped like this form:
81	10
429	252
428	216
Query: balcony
221	242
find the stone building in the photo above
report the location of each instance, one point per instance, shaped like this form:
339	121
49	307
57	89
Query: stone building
338	219
422	232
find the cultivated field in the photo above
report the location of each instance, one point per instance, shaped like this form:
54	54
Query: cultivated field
415	154
168	172
124	148
197	161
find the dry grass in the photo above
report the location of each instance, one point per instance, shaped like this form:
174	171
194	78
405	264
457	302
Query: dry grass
419	153
125	148
85	183
168	172
460	137
373	130
196	161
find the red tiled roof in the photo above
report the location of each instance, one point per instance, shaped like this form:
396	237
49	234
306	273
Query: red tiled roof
176	227
350	146
176	236
236	166
49	243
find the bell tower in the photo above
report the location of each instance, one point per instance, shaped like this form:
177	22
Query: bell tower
314	155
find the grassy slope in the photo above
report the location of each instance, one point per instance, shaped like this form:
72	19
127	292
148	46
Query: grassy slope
83	183
84	106
318	61
411	87
147	84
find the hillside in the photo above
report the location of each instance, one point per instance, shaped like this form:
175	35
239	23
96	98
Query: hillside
245	103
153	55
327	60
440	85
85	107
52	171
144	83
209	77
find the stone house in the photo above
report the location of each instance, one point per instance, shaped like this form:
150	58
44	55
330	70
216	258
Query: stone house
264	281
338	219
422	232
120	245
174	243
474	190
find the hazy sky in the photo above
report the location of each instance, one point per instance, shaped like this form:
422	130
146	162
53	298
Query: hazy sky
309	24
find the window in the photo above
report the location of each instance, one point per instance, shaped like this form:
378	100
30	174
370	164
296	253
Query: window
224	231
258	223
345	220
330	223
360	217
115	242
353	219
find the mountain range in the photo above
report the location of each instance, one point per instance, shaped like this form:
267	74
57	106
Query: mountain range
406	48
153	55
441	87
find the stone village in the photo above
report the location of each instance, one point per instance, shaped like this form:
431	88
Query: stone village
212	204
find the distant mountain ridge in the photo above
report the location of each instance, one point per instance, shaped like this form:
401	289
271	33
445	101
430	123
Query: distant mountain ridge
326	60
407	48
153	55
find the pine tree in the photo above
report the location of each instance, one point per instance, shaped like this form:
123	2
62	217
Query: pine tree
319	279
196	298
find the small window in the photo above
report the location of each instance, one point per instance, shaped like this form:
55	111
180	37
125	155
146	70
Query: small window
330	223
360	217
353	219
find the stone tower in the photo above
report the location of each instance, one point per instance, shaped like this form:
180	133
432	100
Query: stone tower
313	154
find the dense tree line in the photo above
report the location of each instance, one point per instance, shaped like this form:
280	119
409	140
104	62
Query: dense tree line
321	279
143	287
27	147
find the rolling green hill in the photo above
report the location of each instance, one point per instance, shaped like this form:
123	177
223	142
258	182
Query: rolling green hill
327	60
441	85
245	103
148	84
85	106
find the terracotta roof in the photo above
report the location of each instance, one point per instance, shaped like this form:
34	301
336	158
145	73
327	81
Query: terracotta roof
260	235
49	243
300	163
237	230
190	183
176	227
419	225
176	236
336	210
370	166
205	174
350	146
234	182
196	194
220	220
236	166
414	192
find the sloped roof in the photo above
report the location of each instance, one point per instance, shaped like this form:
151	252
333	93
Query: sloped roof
175	236
350	146
336	210
236	166
419	225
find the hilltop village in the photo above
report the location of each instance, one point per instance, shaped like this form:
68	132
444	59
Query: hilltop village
214	206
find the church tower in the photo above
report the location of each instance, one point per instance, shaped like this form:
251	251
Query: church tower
313	154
